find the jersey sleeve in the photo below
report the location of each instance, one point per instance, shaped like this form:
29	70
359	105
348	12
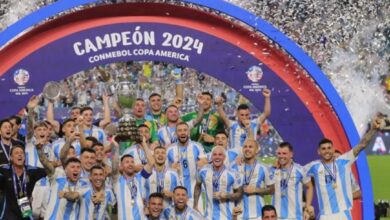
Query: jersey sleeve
349	157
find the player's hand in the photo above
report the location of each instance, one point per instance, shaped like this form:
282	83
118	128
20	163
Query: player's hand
113	142
33	102
138	167
207	138
246	123
237	210
200	99
378	123
201	163
239	160
219	101
61	194
167	193
266	93
177	101
249	189
309	210
176	166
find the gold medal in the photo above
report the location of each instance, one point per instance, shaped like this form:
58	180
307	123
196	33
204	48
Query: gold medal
132	202
20	194
334	185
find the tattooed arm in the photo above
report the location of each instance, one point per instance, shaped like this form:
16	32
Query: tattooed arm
45	161
115	160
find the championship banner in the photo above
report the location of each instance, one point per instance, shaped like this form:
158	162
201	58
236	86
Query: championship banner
303	111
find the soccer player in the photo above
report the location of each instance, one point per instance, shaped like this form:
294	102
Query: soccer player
332	177
222	186
89	129
167	133
268	212
101	158
155	206
136	150
232	155
205	131
17	181
289	177
180	209
96	200
65	190
6	141
155	103
67	129
87	160
163	179
16	122
356	193
237	129
256	181
128	186
187	157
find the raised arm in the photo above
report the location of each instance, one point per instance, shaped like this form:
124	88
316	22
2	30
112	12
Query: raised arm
219	102
50	116
49	167
65	149
32	103
267	106
179	91
115	160
149	157
367	137
106	112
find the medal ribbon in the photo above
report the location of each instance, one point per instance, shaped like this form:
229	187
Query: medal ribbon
216	177
160	179
5	150
132	188
329	171
288	177
22	184
247	179
172	137
141	156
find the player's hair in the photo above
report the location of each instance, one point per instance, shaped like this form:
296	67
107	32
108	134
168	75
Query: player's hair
71	160
40	124
171	106
92	139
96	167
14	148
86	109
95	144
156	195
159	147
180	187
325	141
143	126
286	144
208	94
126	156
242	107
4	121
222	132
89	150
182	123
18	120
153	95
268	208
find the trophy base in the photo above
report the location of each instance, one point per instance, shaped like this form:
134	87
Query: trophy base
128	129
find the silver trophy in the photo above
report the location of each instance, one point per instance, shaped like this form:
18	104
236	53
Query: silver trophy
52	91
125	91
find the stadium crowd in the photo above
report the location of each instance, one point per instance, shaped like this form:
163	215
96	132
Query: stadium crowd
198	157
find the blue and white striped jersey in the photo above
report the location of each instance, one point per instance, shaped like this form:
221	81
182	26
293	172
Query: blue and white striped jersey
138	154
254	175
288	195
188	157
97	133
188	214
225	181
61	208
59	143
167	135
168	179
238	134
31	153
88	210
334	196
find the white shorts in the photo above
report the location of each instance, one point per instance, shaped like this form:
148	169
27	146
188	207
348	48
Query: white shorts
345	215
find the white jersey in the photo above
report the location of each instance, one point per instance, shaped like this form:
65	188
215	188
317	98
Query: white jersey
333	183
61	208
130	196
254	175
188	214
288	195
168	179
97	133
138	154
32	158
238	134
187	157
167	135
88	210
59	144
40	197
225	181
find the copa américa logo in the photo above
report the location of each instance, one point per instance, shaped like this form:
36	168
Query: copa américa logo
254	73
21	77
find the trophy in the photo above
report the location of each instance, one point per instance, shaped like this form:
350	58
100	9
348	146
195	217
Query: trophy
52	91
125	91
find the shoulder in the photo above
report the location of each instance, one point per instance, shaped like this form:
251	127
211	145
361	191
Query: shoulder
96	128
310	166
